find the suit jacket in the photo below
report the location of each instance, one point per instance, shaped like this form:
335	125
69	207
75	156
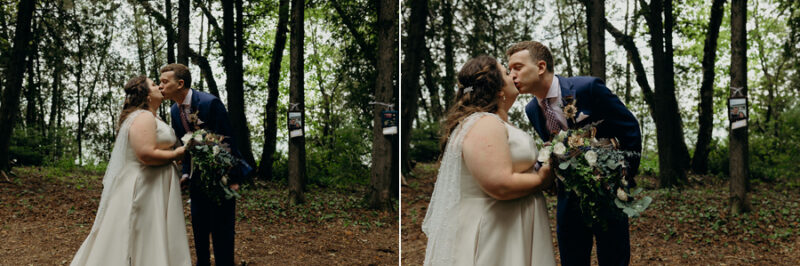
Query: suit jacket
595	100
215	120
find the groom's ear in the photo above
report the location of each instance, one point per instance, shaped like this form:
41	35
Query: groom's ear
180	82
542	65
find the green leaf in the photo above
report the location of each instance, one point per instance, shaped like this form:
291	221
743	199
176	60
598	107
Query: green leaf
563	165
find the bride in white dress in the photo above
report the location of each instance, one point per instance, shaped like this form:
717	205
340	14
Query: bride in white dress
140	218
487	206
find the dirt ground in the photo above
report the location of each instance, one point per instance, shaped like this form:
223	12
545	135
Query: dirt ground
689	227
45	214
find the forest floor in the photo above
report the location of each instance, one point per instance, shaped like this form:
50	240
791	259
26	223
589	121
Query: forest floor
692	226
46	213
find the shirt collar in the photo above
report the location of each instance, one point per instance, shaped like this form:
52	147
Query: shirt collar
188	99
554	93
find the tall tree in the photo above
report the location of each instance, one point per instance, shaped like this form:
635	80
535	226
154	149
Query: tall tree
297	148
170	37
449	54
14	76
411	72
270	122
234	76
673	155
739	154
595	30
382	156
183	32
706	110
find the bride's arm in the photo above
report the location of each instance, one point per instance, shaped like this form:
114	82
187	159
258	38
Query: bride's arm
488	158
143	141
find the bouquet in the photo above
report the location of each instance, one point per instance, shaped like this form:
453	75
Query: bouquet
215	159
594	170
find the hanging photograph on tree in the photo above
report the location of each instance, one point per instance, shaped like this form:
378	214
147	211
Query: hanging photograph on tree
295	124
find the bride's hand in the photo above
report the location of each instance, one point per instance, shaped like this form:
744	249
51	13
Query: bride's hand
179	153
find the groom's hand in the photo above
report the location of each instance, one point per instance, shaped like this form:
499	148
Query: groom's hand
184	182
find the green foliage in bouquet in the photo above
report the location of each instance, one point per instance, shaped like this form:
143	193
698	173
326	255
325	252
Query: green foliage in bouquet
594	170
214	157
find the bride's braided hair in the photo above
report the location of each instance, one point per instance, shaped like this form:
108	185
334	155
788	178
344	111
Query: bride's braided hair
136	92
482	80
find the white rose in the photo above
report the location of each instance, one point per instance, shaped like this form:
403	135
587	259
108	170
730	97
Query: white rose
622	195
562	134
544	155
216	150
198	137
185	139
559	149
624	182
591	157
225	180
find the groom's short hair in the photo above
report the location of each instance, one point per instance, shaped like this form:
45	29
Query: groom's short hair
181	72
537	50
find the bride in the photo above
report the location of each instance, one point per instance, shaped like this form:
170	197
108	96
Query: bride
487	206
140	218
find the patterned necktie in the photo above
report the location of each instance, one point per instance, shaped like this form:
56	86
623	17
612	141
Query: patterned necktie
184	119
553	126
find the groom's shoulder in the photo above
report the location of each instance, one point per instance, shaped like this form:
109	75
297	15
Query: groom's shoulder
581	80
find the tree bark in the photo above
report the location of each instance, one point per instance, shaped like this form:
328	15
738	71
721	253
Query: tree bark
14	76
433	88
739	155
170	37
672	151
297	148
564	43
183	32
381	175
139	42
706	110
595	13
449	54
270	124
411	72
234	82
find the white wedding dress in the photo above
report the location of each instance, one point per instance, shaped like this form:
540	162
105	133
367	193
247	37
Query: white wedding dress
466	226
140	218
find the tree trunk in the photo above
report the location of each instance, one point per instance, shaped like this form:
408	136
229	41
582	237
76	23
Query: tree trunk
433	88
449	54
673	155
270	124
183	32
739	155
297	148
30	92
382	157
411	72
706	110
564	42
170	37
139	41
14	76
234	82
595	13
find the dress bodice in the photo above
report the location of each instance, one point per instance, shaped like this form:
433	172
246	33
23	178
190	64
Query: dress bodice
165	136
523	156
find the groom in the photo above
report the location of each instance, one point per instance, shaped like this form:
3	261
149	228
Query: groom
531	67
207	216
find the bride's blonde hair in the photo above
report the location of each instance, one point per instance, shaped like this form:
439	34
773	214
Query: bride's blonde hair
479	82
136	92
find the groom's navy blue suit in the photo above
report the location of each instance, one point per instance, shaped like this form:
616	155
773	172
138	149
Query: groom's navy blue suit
207	217
595	100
